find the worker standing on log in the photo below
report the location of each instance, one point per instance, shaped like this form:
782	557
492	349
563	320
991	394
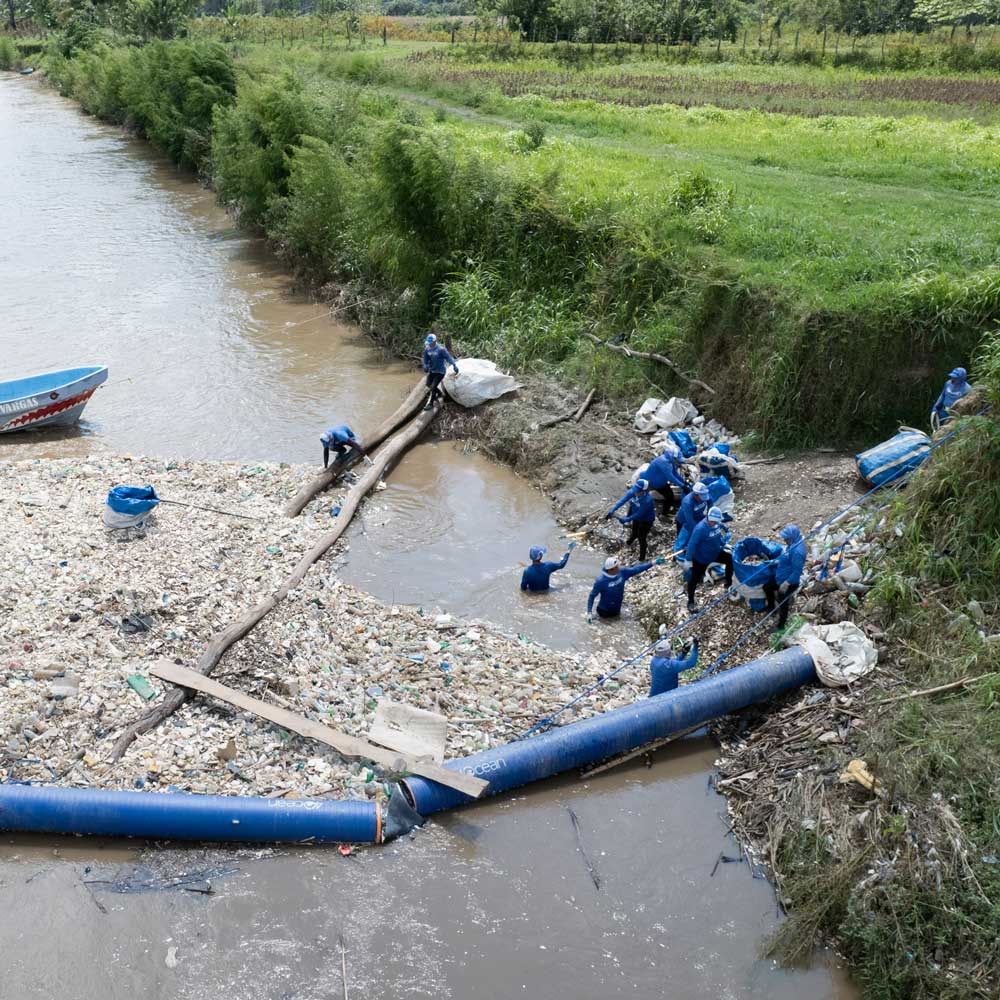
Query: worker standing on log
665	671
435	363
536	576
707	546
609	587
787	572
340	440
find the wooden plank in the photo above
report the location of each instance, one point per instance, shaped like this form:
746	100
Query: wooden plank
348	746
413	731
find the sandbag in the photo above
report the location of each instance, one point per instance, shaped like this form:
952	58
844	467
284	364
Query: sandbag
842	652
654	414
129	506
477	381
893	458
749	578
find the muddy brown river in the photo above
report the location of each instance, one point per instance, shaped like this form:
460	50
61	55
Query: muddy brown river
109	256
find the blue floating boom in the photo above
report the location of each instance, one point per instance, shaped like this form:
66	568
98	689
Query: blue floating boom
619	731
182	816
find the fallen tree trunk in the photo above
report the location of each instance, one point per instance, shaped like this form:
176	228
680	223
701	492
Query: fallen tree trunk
330	475
238	630
646	356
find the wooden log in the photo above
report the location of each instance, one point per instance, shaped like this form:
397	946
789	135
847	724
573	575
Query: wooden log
330	475
584	406
646	356
343	743
238	630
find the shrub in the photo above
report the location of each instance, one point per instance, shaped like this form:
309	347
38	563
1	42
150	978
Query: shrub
8	53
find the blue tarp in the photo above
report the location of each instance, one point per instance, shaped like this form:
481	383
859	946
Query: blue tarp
893	458
684	441
132	500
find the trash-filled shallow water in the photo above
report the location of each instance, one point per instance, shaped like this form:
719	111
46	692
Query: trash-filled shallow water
112	257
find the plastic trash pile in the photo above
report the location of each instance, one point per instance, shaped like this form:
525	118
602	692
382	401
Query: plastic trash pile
85	610
659	418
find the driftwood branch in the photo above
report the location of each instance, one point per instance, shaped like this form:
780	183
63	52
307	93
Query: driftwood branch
937	690
330	475
575	415
646	356
238	630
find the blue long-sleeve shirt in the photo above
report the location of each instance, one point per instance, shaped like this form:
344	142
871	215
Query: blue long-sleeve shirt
611	589
663	470
950	395
789	565
536	576
642	507
691	511
705	543
337	435
437	359
664	671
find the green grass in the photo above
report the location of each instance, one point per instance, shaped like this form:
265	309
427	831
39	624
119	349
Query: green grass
784	258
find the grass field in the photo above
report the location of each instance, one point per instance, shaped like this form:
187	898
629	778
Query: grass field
782	256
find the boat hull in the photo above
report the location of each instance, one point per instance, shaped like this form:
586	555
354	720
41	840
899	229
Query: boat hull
52	405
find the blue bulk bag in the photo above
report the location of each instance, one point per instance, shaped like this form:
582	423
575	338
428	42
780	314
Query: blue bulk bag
132	499
127	506
893	458
749	579
684	441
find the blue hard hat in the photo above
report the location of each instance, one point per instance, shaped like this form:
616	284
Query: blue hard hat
430	339
701	489
957	373
642	484
714	514
537	551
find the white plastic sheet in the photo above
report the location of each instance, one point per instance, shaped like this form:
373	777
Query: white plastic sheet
477	381
842	652
655	415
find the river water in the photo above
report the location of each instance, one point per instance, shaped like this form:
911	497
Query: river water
112	257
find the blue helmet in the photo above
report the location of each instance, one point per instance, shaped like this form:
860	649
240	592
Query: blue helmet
537	551
430	340
642	484
959	373
714	514
700	489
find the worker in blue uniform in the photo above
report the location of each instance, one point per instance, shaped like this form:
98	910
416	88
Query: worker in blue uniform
435	362
663	473
340	440
786	574
691	512
536	576
707	545
641	514
609	587
665	671
954	389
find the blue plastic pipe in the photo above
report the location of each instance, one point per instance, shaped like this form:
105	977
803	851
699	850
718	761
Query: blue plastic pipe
619	731
182	816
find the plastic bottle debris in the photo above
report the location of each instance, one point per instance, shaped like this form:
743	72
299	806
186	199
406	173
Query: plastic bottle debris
329	651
